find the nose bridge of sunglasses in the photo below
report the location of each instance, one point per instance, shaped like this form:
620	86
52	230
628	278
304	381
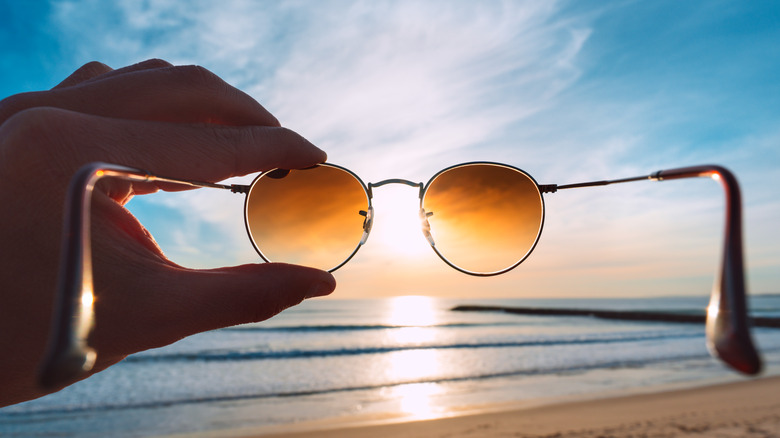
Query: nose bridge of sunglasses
395	206
385	182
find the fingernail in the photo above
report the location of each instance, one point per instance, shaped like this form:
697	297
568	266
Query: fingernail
321	289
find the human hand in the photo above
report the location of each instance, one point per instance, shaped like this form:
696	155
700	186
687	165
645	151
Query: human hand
182	122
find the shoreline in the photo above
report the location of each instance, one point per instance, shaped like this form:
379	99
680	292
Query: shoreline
744	408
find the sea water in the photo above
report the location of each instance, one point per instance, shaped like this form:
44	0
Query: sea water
390	359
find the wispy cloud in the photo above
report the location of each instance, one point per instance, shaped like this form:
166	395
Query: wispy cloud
380	85
385	87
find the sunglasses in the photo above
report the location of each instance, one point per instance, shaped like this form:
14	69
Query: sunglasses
481	218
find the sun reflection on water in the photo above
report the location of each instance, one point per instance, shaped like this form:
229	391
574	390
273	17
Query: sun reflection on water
416	318
412	310
413	365
417	400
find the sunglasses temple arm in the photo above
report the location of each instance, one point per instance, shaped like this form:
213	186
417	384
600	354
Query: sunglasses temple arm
68	355
727	328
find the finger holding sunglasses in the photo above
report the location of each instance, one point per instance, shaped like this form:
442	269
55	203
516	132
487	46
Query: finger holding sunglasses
151	302
84	73
97	70
202	152
150	90
143	300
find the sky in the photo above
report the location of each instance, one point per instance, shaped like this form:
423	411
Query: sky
568	91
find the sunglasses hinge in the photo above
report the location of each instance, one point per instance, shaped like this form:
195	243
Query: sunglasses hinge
238	188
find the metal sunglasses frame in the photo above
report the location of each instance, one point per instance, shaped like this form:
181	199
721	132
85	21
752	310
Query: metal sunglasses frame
368	190
69	356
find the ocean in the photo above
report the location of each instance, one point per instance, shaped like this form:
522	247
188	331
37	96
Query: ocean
331	361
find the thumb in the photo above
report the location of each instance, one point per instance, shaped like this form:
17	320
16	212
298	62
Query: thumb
181	302
223	297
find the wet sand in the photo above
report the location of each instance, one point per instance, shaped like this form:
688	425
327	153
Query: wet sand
748	408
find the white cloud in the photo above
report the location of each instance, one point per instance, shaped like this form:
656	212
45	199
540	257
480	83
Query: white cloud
385	87
371	82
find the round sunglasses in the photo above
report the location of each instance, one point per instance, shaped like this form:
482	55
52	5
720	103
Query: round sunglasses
481	218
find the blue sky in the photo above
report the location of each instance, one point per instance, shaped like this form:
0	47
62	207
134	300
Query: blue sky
568	91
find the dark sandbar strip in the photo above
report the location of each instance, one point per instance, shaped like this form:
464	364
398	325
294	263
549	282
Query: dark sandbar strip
610	314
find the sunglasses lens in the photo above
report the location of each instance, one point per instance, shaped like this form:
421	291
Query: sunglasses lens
312	217
485	218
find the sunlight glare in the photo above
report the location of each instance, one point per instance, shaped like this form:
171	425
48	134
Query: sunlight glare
413	365
86	312
412	335
416	318
417	400
87	298
412	310
397	224
713	310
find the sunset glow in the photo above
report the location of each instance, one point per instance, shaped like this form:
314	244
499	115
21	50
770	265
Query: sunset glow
398	227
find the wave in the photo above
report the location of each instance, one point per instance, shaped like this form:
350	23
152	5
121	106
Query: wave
232	355
23	416
352	327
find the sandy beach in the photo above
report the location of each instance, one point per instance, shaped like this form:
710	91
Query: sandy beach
469	374
749	408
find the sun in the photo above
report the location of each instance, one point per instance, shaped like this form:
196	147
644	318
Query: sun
397	224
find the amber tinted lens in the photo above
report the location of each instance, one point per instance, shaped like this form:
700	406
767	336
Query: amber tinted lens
486	218
308	217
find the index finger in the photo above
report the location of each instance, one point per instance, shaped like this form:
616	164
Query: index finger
187	151
151	90
84	73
